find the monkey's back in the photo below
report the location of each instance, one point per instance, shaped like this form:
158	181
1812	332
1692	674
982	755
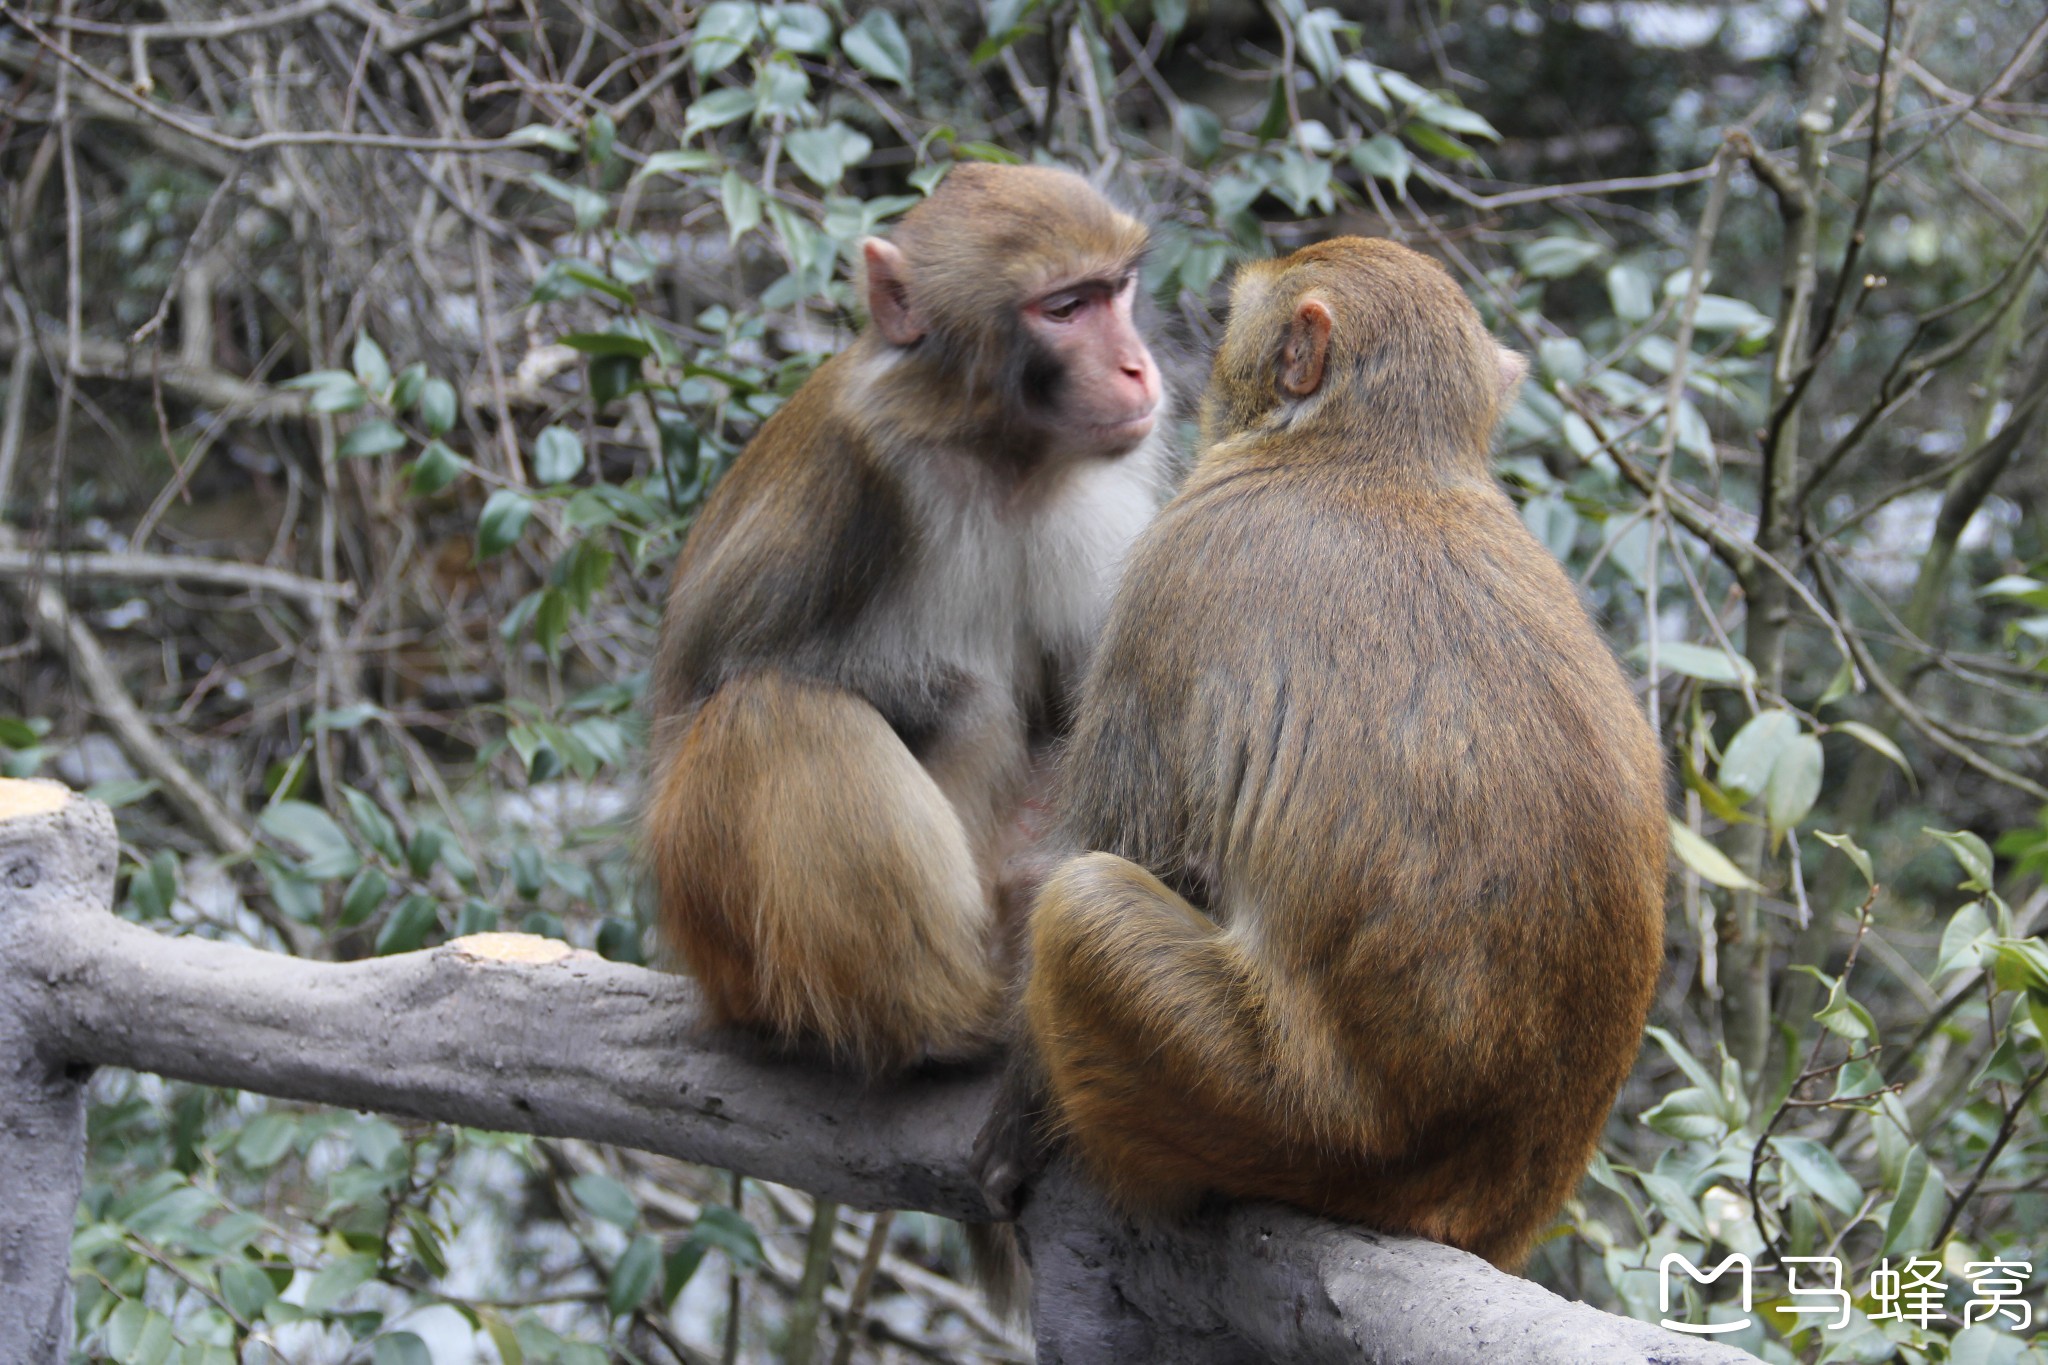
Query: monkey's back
1411	777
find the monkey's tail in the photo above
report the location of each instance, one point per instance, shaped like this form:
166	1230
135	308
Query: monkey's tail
1000	1269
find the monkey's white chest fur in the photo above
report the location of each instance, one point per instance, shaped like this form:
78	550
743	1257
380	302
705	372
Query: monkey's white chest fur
1006	581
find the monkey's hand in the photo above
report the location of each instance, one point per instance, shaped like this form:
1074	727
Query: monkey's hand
1011	1149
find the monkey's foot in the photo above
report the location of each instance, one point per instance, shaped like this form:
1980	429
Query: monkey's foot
1010	1150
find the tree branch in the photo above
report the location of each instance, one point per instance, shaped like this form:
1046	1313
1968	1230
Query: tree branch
524	1034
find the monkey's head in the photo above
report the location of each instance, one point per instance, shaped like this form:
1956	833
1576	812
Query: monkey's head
1365	341
1009	294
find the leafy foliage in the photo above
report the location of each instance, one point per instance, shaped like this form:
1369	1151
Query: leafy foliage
510	326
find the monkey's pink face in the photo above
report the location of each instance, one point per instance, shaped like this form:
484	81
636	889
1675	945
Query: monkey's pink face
1109	396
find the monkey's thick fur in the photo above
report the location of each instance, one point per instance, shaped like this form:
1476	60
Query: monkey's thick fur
874	630
1377	908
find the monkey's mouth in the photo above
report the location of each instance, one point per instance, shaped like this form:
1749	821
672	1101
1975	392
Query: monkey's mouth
1128	432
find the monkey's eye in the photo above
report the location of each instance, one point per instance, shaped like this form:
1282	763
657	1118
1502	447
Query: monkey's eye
1064	308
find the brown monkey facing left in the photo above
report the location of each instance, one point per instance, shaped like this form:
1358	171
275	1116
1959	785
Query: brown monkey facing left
1378	908
878	616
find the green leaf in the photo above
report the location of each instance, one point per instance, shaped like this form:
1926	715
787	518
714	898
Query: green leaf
1563	359
608	344
1841	685
425	849
365	897
502	522
1407	92
1753	754
1384	158
1795	783
877	46
2018	588
684	161
742	204
476	917
800	28
557	456
405	390
723	1229
415	918
634	1275
1858	1079
1553	258
437	406
1842	1015
600	137
2004	1066
612	377
1698	661
1851	850
340	1278
370	365
1969	940
331	391
1315	37
401	1348
327	851
246	1289
1720	314
1364	81
1275	122
1437	143
137	1336
603	1197
265	1139
1675	1204
436	468
374	437
1972	853
1689	1114
2021	964
823	154
1455	118
723	33
1201	130
717	109
1918	1209
1709	862
503	1337
588	205
782	88
540	135
117	793
1877	740
1629	293
1817	1169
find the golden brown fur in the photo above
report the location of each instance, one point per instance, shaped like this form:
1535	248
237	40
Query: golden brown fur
1376	910
876	620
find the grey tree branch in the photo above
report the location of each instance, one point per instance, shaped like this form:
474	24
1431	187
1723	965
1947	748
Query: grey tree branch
158	569
517	1033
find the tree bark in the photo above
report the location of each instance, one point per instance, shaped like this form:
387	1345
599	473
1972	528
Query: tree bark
524	1034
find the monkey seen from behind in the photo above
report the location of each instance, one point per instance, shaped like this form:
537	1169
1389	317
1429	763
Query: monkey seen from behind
878	616
1375	908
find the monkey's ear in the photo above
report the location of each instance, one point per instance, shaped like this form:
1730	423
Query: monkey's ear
1514	368
1307	348
888	284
